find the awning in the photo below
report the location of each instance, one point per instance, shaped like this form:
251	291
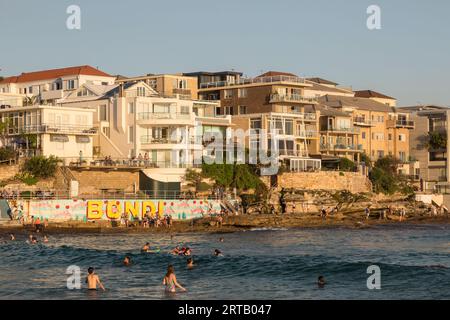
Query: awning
59	138
163	177
83	139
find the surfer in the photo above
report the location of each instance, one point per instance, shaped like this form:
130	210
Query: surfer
170	280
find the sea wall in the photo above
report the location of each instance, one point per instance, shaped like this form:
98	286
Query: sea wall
100	209
325	180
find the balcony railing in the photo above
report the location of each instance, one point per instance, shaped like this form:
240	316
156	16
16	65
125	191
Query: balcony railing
257	80
401	124
343	129
167	140
275	97
163	115
341	147
53	128
292	153
362	121
307	134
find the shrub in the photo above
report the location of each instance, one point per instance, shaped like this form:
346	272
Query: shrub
40	166
347	165
7	153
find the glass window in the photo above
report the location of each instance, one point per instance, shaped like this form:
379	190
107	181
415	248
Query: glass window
103	114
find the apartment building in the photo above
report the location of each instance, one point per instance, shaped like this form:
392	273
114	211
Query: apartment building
168	85
273	102
46	130
47	86
429	146
380	129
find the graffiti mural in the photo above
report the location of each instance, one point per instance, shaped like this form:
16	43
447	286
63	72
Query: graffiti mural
87	210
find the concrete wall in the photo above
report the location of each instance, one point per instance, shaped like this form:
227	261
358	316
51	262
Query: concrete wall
8	172
325	180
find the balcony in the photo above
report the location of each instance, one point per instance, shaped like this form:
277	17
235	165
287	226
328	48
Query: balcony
363	122
407	124
292	153
307	134
52	94
258	80
151	118
341	147
169	141
54	128
293	98
340	130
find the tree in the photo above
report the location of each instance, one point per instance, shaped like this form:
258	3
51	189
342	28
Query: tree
436	141
193	178
7	153
346	165
385	178
41	166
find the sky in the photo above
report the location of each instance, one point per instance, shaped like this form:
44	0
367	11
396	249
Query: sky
408	58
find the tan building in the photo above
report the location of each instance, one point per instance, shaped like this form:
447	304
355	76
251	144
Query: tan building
433	168
168	85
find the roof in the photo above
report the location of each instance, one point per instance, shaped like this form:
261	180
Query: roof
55	73
207	73
329	111
423	108
322	81
319	87
276	73
355	102
371	94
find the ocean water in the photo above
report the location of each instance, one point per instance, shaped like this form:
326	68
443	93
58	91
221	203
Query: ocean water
258	264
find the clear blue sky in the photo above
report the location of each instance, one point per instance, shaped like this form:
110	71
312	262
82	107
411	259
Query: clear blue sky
408	58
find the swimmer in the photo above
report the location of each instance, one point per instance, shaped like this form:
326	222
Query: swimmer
12	237
146	247
34	240
187	251
221	240
45	238
321	282
176	251
218	253
30	239
170	281
93	280
190	263
127	261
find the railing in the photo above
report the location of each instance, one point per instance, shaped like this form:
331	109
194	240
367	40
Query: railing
163	115
257	80
334	129
54	128
405	123
275	97
307	134
139	162
306	115
294	153
362	121
104	194
339	147
166	140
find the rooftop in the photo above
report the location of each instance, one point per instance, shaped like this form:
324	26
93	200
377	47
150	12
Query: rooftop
371	94
322	81
54	73
355	102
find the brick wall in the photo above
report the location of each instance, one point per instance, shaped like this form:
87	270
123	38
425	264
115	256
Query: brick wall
325	180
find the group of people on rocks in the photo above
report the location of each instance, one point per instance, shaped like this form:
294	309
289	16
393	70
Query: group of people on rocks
148	221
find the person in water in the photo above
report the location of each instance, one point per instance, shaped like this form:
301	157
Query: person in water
33	240
176	250
146	247
218	253
45	238
127	261
187	251
93	280
321	282
190	263
12	237
221	240
170	280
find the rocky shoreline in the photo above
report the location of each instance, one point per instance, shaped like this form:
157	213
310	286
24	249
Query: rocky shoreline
351	220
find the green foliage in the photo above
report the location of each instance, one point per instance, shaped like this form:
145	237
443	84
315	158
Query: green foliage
436	140
345	199
193	178
366	160
40	166
7	153
385	178
346	165
239	176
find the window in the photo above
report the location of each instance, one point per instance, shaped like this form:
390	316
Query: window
218	111
242	93
140	91
71	84
130	134
161	108
83	93
103	114
242	109
184	110
30	90
402	137
130	107
380	153
229	110
390	136
363	135
228	94
402	156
